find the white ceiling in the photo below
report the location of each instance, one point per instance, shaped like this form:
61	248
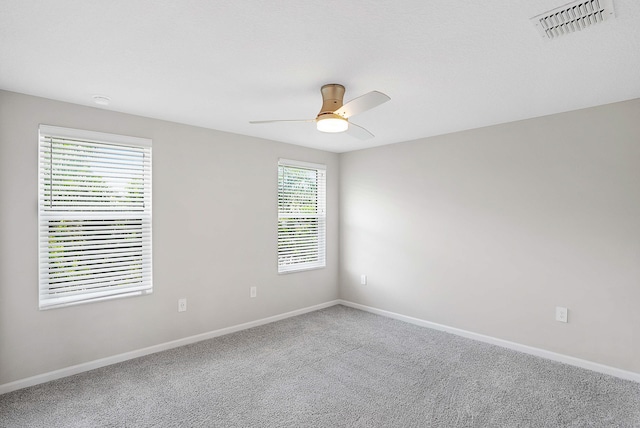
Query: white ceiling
447	65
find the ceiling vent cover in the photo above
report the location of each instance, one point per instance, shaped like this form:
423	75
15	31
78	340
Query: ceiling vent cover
573	17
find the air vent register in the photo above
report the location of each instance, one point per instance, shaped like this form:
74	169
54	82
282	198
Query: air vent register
572	17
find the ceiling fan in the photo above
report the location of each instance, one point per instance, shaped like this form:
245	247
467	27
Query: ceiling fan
334	115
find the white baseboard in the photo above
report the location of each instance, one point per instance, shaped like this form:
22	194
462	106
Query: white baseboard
83	367
585	364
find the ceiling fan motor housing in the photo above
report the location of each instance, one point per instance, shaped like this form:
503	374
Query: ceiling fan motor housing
332	98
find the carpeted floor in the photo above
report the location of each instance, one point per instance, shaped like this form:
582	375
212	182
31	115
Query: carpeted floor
338	367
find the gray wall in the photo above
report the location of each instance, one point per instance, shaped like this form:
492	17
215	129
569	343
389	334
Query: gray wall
489	230
214	236
486	230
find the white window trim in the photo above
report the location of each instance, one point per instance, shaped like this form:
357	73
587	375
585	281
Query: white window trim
321	262
47	299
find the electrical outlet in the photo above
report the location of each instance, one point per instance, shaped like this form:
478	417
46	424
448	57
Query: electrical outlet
182	305
562	314
363	279
253	292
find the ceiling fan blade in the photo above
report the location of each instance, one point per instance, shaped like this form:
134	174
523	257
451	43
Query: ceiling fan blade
358	132
253	122
362	103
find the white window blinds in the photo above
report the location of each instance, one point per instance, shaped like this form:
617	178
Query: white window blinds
301	215
94	216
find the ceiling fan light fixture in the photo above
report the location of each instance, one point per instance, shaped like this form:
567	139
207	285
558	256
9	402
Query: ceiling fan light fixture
332	123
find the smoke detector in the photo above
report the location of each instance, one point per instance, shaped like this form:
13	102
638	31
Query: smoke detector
572	17
101	100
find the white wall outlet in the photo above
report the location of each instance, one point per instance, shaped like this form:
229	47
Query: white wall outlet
182	305
253	292
363	279
562	314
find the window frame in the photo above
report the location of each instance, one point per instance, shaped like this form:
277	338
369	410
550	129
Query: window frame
320	215
117	219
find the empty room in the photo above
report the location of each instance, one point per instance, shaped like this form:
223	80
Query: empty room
319	214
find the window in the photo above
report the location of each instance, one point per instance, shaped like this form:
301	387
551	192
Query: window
94	213
301	215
